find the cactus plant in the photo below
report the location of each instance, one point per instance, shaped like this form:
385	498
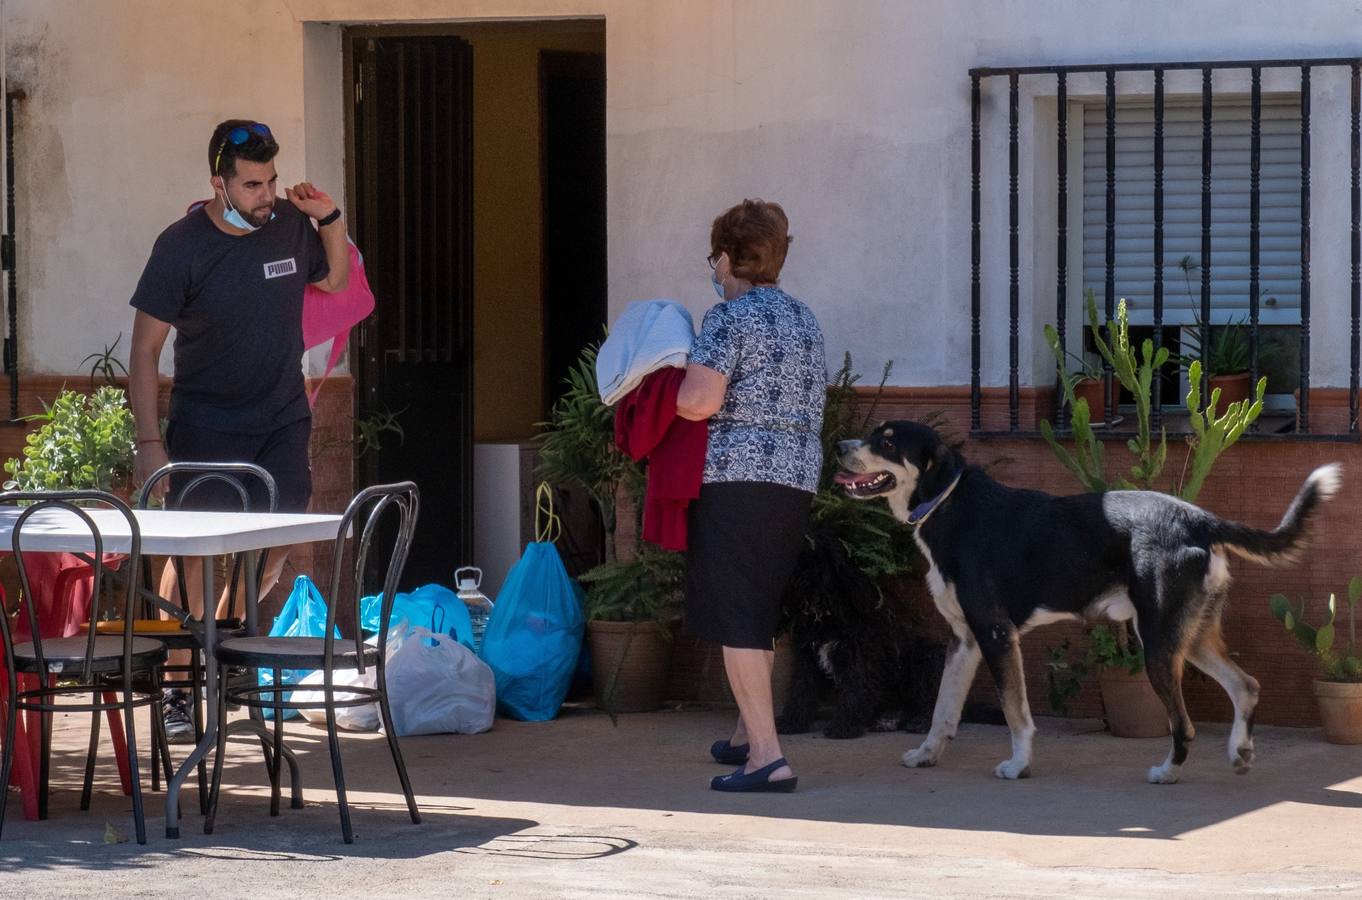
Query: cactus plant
1136	374
1335	664
1212	435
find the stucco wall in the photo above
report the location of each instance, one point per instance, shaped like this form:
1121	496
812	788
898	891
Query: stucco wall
853	114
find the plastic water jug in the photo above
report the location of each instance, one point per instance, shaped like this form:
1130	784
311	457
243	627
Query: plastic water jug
469	582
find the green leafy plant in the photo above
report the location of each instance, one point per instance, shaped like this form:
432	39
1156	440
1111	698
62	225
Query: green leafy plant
105	364
84	441
645	588
1229	352
369	430
577	446
1336	663
1108	649
851	548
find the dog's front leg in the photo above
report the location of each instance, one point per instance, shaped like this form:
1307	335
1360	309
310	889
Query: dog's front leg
1003	652
962	660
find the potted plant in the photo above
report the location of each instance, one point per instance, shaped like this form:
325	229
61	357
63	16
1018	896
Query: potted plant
1084	381
1226	361
631	608
577	447
83	441
632	596
1131	707
1338	690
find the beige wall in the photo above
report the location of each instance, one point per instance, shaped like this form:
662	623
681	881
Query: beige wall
853	113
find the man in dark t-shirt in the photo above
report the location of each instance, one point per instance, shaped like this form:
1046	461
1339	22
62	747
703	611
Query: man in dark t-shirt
229	277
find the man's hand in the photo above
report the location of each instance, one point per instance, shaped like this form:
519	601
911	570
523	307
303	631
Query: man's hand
310	201
150	457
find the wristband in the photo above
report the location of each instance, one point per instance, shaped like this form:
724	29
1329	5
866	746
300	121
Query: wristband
329	218
150	441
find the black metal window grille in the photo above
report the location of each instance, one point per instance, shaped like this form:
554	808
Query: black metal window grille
1156	71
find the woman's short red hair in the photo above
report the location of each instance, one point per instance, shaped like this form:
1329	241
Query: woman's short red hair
755	235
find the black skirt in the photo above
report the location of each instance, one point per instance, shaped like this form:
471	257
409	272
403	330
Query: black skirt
742	543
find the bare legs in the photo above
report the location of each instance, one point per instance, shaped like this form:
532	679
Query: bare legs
193	576
749	674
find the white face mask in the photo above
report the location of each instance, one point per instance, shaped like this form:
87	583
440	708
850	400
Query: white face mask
233	217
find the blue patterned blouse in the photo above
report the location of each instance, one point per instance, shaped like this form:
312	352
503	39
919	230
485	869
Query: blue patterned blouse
770	347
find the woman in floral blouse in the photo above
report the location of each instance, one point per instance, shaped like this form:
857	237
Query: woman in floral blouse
758	374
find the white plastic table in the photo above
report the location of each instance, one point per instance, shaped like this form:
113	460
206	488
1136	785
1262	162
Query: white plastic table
177	533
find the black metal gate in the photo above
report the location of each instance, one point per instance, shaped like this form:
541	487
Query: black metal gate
413	200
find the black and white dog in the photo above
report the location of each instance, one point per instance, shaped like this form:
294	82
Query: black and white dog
1004	561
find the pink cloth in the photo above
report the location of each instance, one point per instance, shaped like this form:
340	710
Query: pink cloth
329	317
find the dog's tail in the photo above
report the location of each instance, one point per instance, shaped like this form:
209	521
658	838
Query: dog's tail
1282	546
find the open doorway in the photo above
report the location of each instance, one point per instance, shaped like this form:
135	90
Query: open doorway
477	184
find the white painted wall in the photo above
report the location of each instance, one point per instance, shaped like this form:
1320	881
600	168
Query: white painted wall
854	114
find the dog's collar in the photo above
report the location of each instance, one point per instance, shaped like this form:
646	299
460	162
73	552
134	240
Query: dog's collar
919	513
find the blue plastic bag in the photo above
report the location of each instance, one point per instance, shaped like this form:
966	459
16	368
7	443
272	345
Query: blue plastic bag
432	606
303	615
535	633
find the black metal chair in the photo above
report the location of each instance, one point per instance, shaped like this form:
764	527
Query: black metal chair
235	476
381	517
94	663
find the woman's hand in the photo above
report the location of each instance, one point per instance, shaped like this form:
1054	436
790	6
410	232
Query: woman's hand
702	393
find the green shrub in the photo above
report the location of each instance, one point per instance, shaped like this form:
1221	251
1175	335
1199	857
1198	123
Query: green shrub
84	442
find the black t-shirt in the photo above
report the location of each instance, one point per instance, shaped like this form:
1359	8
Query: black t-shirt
236	302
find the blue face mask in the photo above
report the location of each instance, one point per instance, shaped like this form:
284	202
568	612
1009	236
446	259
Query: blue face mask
718	288
236	219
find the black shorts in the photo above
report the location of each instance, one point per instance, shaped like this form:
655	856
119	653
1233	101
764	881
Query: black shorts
743	540
282	452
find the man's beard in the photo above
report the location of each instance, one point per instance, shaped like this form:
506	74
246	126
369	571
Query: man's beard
259	217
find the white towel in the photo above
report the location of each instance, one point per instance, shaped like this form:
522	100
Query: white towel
649	335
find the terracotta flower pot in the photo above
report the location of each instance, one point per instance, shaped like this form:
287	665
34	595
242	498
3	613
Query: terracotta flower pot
1340	709
1093	390
629	665
697	672
698	676
1133	709
1233	389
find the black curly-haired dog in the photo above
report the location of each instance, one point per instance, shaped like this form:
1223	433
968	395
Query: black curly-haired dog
853	649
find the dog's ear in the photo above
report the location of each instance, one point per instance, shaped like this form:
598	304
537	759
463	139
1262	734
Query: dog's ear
940	467
943	457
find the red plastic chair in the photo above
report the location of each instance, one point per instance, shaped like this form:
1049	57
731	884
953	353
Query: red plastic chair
62	583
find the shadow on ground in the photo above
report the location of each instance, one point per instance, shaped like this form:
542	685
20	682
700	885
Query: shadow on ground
487	794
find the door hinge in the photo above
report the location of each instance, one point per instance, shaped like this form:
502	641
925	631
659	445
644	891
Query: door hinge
359	85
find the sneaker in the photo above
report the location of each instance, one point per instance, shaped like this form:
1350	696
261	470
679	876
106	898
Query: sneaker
179	724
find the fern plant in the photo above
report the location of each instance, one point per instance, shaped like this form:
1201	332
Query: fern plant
577	446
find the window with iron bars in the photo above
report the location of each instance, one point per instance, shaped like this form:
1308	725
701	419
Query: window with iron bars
1195	208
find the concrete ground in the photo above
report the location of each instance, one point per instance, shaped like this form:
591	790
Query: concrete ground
579	807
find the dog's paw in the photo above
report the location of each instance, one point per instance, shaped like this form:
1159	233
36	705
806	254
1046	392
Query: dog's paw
1164	774
921	758
1242	759
1012	769
840	731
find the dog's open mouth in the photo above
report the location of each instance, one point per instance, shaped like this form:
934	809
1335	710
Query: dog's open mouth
867	484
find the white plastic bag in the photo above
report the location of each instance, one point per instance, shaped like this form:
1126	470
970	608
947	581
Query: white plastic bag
352	718
438	686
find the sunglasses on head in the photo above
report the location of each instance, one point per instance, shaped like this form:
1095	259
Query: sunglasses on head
238	136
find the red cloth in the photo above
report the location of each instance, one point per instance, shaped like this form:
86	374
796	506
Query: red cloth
646	425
